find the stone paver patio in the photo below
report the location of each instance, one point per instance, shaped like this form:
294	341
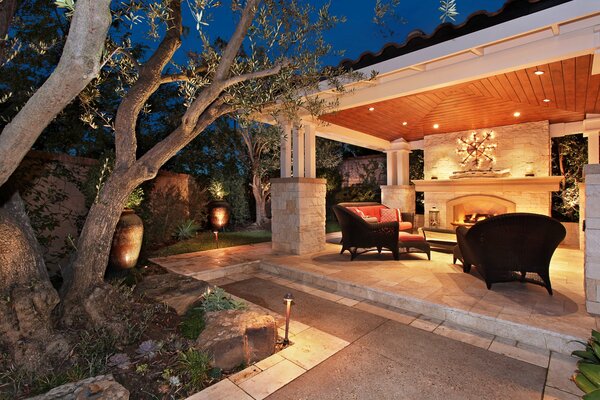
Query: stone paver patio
436	288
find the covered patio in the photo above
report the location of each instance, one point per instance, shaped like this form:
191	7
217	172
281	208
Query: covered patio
524	75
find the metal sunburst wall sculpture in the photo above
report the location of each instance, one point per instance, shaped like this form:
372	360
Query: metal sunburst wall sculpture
477	150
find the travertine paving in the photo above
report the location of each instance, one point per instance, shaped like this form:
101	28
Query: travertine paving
320	358
436	288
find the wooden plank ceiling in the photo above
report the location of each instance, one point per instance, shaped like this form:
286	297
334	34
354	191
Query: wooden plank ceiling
568	85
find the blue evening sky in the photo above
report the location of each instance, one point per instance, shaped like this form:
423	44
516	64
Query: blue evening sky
359	33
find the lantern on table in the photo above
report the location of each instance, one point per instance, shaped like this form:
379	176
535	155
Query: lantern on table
434	217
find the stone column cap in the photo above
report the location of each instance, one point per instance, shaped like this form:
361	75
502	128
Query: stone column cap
299	180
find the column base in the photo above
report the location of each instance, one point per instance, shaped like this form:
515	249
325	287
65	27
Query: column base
298	215
396	196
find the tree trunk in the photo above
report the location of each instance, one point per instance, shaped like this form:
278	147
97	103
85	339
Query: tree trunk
8	8
28	298
85	294
259	199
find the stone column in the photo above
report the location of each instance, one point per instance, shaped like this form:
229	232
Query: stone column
581	215
592	238
298	210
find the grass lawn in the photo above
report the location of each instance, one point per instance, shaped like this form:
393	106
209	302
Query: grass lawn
332	226
206	241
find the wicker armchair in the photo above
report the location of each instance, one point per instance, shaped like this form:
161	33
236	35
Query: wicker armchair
508	247
359	234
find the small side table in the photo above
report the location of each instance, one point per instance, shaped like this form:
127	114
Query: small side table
440	238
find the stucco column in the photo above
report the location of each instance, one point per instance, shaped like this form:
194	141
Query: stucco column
298	215
391	167
581	215
592	238
593	146
285	158
398	193
298	151
310	151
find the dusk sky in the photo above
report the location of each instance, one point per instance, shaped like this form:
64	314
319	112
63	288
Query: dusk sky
359	33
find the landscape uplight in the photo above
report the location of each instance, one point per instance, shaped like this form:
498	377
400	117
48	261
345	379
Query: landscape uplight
289	299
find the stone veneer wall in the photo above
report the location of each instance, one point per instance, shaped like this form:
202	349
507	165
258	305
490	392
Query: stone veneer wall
517	145
298	215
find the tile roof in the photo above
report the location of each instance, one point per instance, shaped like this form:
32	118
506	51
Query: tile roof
417	39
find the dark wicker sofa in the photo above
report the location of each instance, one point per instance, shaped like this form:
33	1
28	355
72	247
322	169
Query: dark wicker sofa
359	234
508	247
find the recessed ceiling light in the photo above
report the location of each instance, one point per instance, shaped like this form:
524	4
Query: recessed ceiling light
371	108
539	72
517	114
546	100
404	123
436	126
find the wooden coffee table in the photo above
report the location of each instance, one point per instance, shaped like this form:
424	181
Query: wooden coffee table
440	238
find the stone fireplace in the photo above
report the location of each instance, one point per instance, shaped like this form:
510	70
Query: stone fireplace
522	149
466	210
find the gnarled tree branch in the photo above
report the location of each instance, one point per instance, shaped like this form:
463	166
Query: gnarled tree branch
78	65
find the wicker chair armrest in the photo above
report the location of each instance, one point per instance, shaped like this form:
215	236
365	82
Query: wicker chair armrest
408	217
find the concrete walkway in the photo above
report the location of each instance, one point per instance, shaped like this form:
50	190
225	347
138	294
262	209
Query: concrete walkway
388	359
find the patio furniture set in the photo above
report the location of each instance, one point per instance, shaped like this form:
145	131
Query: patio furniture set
504	248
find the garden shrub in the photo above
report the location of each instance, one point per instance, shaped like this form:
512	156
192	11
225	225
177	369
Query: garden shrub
569	155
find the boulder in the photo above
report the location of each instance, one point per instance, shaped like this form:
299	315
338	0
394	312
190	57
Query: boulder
236	337
177	291
102	387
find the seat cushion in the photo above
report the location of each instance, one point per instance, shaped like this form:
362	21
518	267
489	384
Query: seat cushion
408	237
371	211
405	226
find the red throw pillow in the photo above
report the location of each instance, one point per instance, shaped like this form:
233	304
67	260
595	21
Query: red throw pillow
390	215
359	212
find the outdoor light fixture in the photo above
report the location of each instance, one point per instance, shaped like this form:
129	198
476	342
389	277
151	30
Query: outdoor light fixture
218	217
371	108
289	299
517	114
546	100
436	126
538	72
404	123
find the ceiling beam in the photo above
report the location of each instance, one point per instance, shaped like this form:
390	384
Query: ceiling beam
350	136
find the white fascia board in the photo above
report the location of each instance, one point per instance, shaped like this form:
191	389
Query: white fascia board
350	136
550	49
557	15
565	129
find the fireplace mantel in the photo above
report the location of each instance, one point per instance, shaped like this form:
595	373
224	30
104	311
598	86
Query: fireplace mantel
495	185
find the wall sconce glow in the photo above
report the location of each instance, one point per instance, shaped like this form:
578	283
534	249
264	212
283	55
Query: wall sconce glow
436	126
371	108
546	100
289	299
517	114
538	73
